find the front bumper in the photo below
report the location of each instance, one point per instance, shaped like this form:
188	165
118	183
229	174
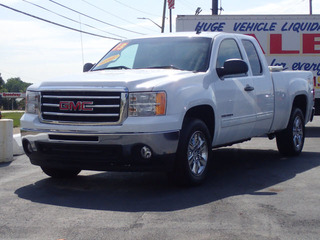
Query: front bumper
101	151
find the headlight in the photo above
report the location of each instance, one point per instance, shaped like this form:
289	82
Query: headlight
147	104
33	102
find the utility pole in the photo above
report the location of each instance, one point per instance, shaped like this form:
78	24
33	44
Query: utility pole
214	7
163	15
310	6
170	12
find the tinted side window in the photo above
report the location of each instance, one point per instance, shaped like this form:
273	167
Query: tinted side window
254	59
228	50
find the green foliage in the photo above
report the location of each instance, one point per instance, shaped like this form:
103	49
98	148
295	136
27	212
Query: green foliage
1	82
13	85
16	85
15	116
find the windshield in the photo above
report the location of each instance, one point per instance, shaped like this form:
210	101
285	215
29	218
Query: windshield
183	53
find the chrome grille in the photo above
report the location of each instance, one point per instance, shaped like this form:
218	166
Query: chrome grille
82	106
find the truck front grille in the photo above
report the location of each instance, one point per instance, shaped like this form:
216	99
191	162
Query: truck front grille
85	107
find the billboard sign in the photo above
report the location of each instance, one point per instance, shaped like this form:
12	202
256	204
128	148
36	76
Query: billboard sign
291	41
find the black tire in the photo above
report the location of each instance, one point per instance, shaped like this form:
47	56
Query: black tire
291	140
193	154
60	173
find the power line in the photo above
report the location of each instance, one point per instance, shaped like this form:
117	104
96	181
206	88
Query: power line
135	9
70	19
61	5
114	15
57	24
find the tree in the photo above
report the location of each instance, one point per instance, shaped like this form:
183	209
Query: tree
13	85
16	85
1	82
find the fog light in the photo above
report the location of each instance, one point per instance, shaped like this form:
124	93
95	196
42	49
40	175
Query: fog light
146	152
27	147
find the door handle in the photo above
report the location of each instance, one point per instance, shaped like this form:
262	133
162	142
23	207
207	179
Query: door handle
248	88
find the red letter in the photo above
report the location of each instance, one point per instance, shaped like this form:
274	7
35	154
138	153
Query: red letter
76	107
85	108
311	43
64	106
276	45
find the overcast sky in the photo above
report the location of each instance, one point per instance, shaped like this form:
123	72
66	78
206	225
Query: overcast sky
35	50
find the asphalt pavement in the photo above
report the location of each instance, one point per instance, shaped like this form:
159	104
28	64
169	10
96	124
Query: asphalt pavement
252	193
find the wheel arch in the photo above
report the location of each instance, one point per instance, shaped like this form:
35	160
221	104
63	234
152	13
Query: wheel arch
300	101
204	113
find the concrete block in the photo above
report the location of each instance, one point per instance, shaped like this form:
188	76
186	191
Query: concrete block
17	145
6	140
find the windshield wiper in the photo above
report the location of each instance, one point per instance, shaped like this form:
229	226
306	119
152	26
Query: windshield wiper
115	67
165	67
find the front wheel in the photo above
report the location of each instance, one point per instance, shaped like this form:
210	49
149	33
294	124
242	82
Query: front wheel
60	173
194	152
291	140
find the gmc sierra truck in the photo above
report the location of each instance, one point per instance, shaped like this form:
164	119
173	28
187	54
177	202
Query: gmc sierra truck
163	103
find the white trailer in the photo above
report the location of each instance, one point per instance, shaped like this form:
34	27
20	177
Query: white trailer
291	41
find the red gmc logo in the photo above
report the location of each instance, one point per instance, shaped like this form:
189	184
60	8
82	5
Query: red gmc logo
78	106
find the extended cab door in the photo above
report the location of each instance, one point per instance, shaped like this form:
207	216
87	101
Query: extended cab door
235	97
263	88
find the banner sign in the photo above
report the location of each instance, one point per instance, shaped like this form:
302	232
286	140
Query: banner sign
13	95
291	41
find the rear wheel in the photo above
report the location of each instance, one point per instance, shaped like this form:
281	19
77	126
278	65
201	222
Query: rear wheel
194	152
291	140
60	173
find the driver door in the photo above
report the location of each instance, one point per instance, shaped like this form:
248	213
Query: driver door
235	98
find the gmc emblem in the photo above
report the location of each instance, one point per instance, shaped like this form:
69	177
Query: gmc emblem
78	106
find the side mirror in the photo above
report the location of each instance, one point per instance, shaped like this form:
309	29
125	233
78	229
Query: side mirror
233	66
87	67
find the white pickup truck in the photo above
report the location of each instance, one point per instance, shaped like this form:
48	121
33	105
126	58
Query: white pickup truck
163	103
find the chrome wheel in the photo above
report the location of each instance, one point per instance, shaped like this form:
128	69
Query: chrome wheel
298	133
290	141
197	153
193	156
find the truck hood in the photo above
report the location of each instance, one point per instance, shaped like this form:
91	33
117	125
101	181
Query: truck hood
131	80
